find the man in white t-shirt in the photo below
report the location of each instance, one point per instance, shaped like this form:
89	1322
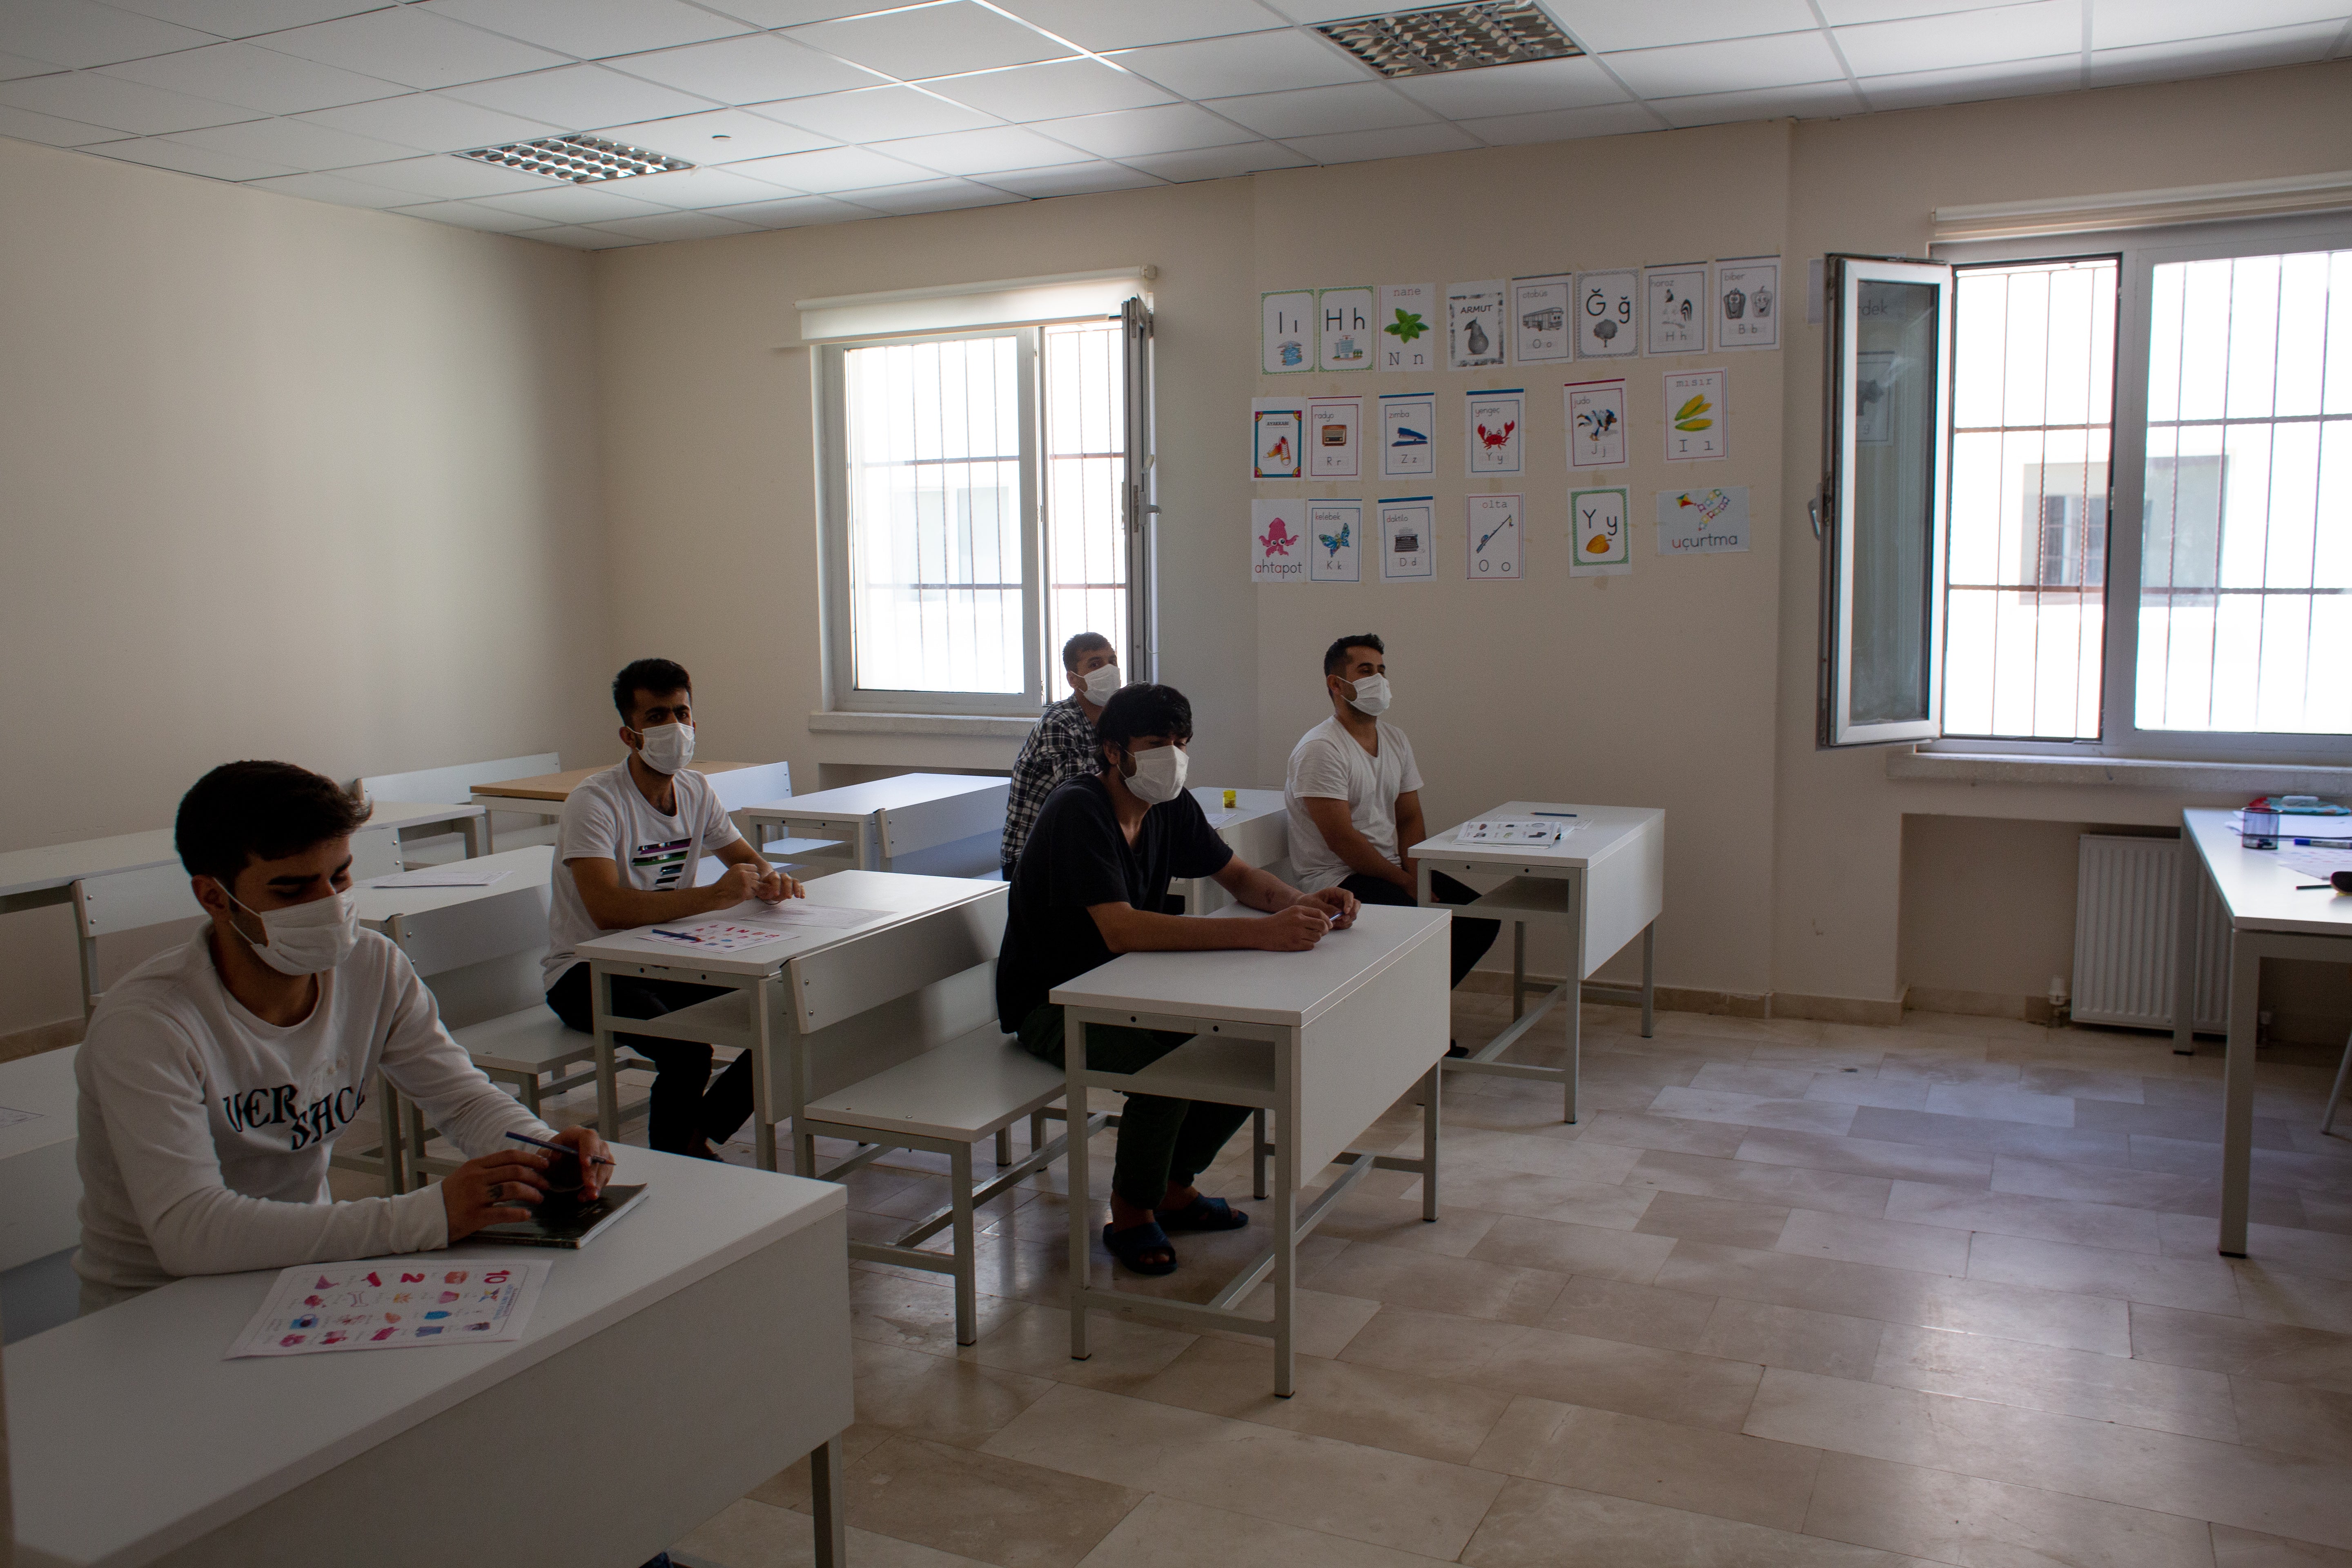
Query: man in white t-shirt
1355	800
630	841
215	1078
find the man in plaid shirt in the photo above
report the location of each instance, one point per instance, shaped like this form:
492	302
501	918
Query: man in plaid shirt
1062	746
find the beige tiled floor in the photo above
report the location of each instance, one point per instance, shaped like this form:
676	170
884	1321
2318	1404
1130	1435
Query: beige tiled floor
1792	1294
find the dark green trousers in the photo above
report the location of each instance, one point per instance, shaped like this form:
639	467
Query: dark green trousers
1161	1142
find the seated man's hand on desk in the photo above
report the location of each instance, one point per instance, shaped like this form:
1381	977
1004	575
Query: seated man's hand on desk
1292	930
493	1190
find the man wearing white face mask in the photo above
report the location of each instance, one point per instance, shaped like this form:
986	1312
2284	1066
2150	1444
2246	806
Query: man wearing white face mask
1093	883
217	1078
1062	746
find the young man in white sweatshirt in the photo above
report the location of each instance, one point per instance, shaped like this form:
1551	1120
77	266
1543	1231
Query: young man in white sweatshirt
217	1078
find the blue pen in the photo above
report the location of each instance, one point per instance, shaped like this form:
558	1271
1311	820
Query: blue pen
1555	813
554	1148
681	935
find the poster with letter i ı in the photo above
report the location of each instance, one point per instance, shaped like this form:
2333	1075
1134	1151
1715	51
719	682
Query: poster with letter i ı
1695	424
1498	538
1603	533
1287	340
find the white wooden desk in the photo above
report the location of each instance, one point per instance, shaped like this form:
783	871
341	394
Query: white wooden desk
542	796
41	1212
1327	1040
880	822
30	878
435	817
1604	883
825	1007
704	1339
1257	830
2269	918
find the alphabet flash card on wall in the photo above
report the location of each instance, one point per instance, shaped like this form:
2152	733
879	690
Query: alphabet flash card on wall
1695	418
1498	538
1604	314
1276	430
1603	532
1287	334
1596	423
1343	326
1473	324
1408	326
1409	540
1703	522
1494	428
1277	541
1408	434
1539	320
1338	527
1748	303
1333	427
1674	308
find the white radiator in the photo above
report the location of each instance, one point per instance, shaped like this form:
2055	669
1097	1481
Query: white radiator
2124	902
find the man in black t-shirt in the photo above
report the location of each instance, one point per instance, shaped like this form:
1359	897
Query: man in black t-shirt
1092	883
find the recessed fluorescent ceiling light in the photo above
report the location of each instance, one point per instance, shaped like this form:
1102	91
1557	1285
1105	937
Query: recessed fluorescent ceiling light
582	160
1451	37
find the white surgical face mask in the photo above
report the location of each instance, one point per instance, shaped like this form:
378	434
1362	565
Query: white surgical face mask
1100	683
667	747
1159	775
306	939
1371	695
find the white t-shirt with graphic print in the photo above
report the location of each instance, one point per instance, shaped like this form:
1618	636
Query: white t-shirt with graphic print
608	818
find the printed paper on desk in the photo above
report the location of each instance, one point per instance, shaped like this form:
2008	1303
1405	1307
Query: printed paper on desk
2313	861
391	1303
801	913
718	936
457	875
1499	831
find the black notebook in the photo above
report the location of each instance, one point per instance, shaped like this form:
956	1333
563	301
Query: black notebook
563	1222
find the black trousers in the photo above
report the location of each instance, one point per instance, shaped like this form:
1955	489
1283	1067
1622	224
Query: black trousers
1163	1142
1471	937
681	1110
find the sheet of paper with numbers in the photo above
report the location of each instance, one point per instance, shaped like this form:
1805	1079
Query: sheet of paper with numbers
391	1303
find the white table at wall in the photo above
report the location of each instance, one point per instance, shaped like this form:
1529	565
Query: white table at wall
882	822
1604	883
41	1187
698	1347
426	817
2269	918
1327	1040
1257	830
823	1007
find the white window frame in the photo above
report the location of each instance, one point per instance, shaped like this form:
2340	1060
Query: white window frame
2141	251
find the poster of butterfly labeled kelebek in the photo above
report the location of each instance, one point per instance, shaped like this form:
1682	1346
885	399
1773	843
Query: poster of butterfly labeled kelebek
1337	530
1494	426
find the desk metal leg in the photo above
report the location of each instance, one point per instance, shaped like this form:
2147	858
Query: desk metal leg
1519	969
825	1500
2238	1094
1572	1064
2188	880
764	1110
1285	1231
1649	977
608	1081
1260	1148
869	847
1078	1163
477	830
1429	1092
396	1180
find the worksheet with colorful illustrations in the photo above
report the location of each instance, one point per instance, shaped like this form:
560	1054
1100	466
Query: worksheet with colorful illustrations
1540	318
1697	422
1408	435
1408	320
1748	303
1498	830
1604	314
1498	538
1494	432
464	874
1703	522
1276	445
2313	862
1475	334
391	1303
1602	526
1334	438
1674	308
801	913
1278	540
715	936
1596	423
1344	328
1338	530
1408	539
1286	332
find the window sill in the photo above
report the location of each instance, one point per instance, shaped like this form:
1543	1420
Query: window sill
1910	764
963	726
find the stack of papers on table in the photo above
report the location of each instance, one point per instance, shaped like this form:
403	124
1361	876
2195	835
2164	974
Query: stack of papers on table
1499	831
2304	824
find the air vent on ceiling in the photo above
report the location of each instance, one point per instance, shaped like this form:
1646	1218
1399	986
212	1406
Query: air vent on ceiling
582	160
1451	37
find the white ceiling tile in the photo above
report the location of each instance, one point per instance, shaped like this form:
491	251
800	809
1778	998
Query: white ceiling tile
833	169
1965	38
337	188
449	177
932	40
297	143
157	152
678	225
2120	24
798	211
2209	57
716	136
1399	141
1255	62
1563	124
1845	12
1322	110
756	69
698	188
875	114
83	33
1969	84
579	98
1325	10
468	215
1071	179
432	123
562	202
244	18
1130	133
257	78
1129	24
1784	59
1051	90
1531	88
121	105
15	65
573	237
1602	26
27	126
413	48
1221	162
590	29
930	196
1809	101
790	13
994	152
